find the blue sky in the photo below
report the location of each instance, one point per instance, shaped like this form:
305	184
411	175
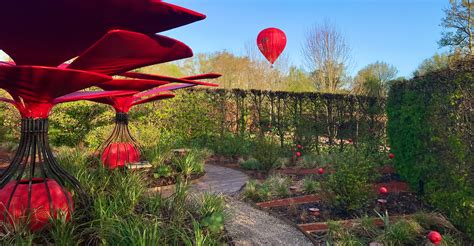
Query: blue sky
400	32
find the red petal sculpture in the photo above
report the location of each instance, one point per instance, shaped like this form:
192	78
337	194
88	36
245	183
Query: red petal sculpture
50	32
37	87
121	148
120	51
45	199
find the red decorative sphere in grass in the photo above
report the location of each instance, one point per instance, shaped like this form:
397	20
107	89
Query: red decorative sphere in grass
321	170
434	237
40	213
298	154
119	155
391	155
383	190
299	146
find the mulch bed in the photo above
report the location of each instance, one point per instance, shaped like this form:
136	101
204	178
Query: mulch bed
397	204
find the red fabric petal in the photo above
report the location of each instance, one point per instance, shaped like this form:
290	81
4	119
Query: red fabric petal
153	98
165	78
120	51
203	76
35	88
121	104
130	84
43	84
87	95
171	87
50	32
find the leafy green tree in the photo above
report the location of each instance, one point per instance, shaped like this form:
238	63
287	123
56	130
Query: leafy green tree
459	26
298	81
372	79
436	62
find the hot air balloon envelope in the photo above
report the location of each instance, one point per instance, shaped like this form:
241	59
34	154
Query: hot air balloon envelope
271	42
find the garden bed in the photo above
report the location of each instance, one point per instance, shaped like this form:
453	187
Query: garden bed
298	213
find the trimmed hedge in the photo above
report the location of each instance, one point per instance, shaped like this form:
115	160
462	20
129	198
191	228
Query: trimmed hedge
430	132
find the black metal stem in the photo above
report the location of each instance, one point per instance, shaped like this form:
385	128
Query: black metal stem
120	134
35	160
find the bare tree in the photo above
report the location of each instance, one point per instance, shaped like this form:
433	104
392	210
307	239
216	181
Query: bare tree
327	56
459	25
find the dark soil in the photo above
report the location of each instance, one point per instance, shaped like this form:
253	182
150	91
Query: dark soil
397	204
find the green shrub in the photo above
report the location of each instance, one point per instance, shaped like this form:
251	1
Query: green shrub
266	152
251	164
349	187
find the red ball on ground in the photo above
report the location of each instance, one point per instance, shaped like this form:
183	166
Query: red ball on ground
383	190
435	237
119	155
39	214
321	170
391	155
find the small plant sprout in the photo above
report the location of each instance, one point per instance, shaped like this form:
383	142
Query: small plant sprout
321	170
391	155
435	237
383	190
314	211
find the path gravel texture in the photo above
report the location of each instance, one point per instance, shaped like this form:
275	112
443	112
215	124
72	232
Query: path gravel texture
220	180
250	226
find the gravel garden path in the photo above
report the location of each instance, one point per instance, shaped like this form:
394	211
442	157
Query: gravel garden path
246	224
221	180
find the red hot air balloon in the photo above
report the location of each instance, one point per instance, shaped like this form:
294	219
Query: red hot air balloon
271	42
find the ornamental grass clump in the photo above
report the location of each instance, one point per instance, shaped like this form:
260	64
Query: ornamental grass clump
122	214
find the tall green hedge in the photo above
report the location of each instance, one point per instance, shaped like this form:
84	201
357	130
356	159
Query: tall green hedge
430	132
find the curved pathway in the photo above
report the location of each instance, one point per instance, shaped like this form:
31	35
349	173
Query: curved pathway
246	224
220	180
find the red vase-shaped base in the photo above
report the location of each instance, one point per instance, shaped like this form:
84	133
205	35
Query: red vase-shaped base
119	155
48	200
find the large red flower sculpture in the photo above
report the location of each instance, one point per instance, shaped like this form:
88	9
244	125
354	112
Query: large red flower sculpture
121	148
41	36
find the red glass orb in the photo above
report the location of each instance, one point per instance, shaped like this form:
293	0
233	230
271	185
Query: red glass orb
40	213
298	154
119	155
321	170
391	155
434	237
383	190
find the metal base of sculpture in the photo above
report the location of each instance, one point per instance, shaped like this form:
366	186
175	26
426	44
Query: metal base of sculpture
120	149
34	187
